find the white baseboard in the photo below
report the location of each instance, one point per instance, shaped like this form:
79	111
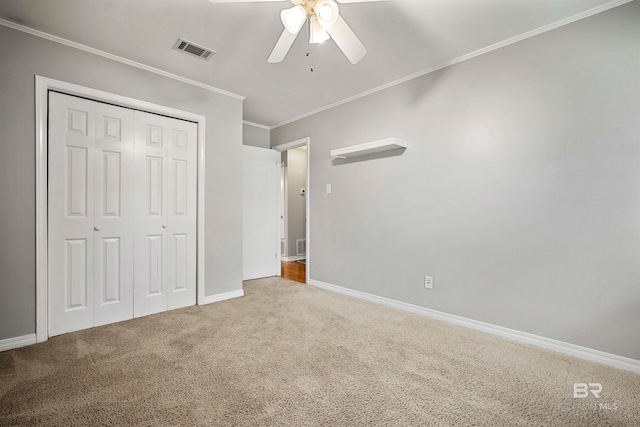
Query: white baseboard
25	340
293	258
221	297
22	341
585	353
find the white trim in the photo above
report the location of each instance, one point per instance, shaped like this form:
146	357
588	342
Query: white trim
512	40
107	55
307	267
41	95
23	341
293	144
200	263
43	85
222	297
244	122
288	146
580	352
284	198
293	258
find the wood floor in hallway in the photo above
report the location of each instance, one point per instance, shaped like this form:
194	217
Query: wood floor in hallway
293	270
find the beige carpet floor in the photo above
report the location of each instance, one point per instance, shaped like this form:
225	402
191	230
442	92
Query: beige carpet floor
288	354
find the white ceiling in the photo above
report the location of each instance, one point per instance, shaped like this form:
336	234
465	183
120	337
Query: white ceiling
403	38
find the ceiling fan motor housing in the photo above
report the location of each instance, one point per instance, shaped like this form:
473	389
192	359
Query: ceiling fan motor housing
323	14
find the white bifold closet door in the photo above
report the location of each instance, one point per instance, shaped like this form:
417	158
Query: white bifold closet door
121	213
165	242
91	214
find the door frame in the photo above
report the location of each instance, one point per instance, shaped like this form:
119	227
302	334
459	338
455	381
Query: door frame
42	87
288	146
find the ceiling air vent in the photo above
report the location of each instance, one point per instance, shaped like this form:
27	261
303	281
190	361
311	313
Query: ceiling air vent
193	49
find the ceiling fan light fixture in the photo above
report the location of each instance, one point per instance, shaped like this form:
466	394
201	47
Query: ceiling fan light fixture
326	12
317	33
293	18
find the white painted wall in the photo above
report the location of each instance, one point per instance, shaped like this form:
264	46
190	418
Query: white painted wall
23	57
256	136
519	192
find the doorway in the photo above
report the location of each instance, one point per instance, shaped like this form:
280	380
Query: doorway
294	209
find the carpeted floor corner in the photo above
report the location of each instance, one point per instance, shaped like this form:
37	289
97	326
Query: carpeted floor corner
288	354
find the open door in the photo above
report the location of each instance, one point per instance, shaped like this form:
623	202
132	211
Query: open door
260	217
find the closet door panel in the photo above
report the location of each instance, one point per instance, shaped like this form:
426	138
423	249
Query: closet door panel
165	263
150	288
182	157
114	214
70	213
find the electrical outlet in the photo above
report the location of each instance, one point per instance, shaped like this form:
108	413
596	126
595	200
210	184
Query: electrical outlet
428	282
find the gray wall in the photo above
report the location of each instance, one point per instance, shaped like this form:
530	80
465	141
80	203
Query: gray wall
296	175
24	56
519	192
256	136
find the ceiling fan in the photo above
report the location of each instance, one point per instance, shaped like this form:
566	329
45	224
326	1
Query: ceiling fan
324	22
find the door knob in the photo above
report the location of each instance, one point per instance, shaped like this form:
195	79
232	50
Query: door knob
164	225
97	228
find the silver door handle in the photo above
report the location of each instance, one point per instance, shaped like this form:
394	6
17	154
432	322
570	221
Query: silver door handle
96	228
164	225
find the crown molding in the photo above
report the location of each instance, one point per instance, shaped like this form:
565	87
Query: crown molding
256	125
117	58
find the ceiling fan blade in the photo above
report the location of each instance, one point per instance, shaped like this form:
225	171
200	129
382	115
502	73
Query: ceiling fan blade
347	40
282	47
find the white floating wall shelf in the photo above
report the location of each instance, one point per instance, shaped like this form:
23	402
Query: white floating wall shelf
368	148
